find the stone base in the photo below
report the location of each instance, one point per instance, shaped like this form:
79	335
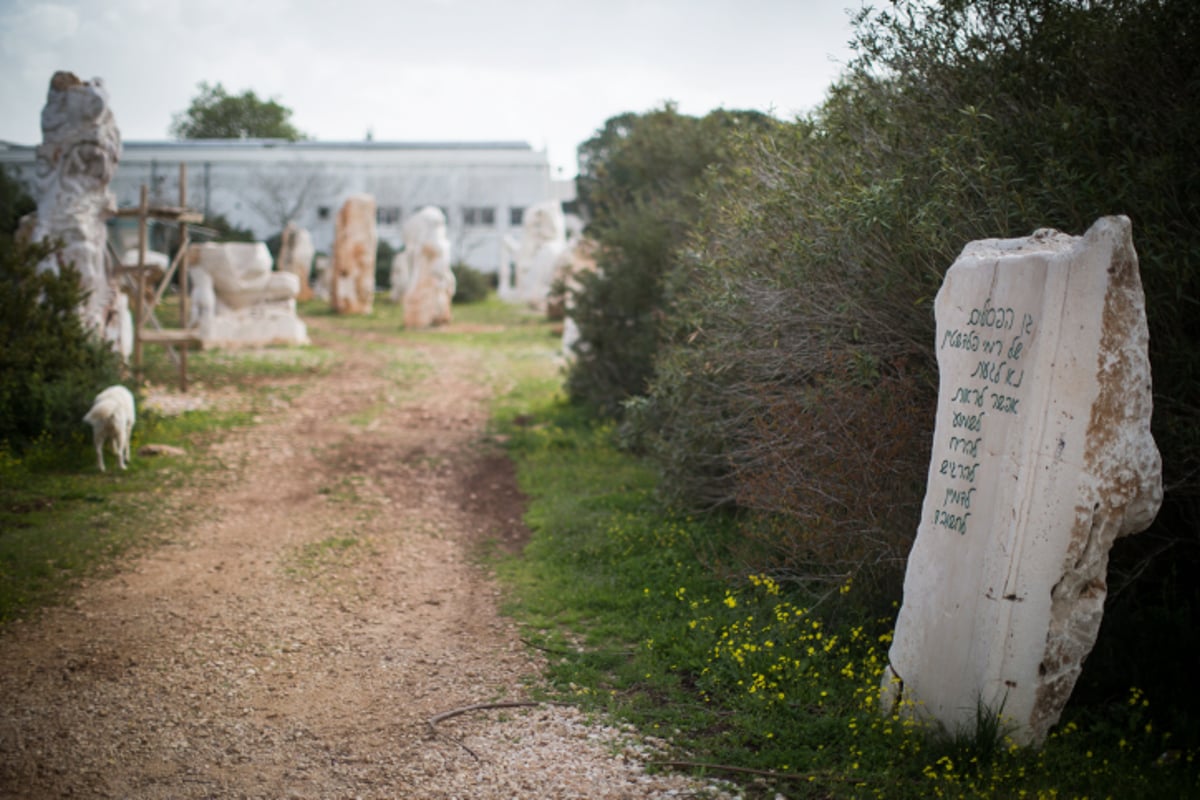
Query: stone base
256	326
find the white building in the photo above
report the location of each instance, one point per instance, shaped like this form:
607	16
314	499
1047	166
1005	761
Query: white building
483	187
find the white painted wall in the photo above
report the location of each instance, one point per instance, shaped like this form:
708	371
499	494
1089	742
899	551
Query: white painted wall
235	177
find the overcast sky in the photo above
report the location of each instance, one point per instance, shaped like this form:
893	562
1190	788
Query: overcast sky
548	72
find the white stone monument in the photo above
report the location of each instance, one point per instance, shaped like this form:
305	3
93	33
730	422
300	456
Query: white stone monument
237	300
1042	457
421	275
352	280
537	255
323	266
296	253
76	160
399	276
581	259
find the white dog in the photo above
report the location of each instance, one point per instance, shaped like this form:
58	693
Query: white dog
112	418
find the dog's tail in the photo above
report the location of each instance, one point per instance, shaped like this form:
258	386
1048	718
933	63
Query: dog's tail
99	411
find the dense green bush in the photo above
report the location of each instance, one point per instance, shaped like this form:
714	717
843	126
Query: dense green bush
638	183
50	367
384	253
15	203
471	285
799	381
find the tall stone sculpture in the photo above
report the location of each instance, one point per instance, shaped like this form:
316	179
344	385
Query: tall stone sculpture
537	254
76	160
579	259
1042	457
323	267
422	270
352	283
296	253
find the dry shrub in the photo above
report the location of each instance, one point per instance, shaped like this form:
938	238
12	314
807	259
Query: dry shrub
842	466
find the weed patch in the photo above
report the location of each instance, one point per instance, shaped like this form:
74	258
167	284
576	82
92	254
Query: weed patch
645	613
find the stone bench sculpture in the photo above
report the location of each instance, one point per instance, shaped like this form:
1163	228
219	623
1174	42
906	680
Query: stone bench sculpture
236	299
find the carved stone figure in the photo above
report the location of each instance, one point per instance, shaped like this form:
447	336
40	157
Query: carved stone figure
399	276
237	300
578	259
296	253
320	288
536	255
76	160
1042	457
422	271
352	288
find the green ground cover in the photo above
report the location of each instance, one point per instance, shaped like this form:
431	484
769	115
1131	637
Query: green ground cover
647	614
62	521
641	612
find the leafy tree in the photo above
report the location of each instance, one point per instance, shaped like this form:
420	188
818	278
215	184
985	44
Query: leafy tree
638	183
798	379
226	231
216	114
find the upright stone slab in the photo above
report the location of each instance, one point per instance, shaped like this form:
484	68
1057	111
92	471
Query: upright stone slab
1042	457
425	274
352	284
537	254
296	253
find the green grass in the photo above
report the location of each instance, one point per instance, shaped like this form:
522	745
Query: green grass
61	520
639	611
644	613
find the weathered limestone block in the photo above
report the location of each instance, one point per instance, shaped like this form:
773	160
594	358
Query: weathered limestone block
237	300
424	270
352	284
400	270
76	160
156	265
1042	457
580	259
323	268
537	255
296	253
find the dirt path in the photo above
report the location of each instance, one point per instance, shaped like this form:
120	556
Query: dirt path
296	635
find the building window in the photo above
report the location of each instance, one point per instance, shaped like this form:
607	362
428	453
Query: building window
516	215
387	215
479	216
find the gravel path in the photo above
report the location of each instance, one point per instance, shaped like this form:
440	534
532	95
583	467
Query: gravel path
313	610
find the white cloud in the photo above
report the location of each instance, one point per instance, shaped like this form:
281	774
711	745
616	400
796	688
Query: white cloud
539	70
37	25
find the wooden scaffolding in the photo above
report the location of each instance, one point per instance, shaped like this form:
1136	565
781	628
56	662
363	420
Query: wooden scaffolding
176	340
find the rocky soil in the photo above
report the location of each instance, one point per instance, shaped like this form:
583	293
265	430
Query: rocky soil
314	607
